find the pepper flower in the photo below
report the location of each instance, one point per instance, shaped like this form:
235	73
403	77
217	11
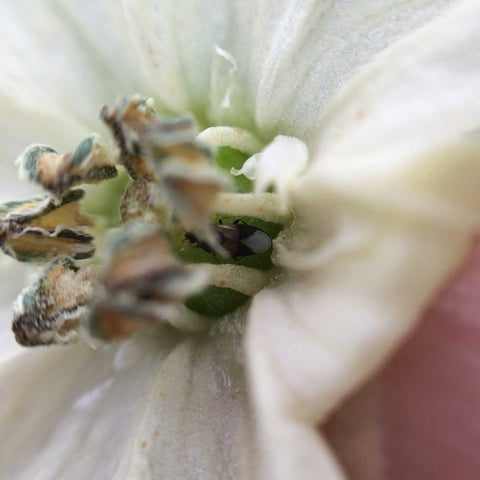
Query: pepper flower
264	234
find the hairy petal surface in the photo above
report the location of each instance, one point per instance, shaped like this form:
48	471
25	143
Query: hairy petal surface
317	337
284	59
196	423
153	407
74	404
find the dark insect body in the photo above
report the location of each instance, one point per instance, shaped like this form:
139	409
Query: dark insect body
238	240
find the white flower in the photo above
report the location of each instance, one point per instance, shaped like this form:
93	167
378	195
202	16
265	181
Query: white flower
385	210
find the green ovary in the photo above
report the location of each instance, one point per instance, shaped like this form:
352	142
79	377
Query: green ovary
215	301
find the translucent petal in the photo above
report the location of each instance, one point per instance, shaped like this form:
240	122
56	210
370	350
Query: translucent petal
278	63
152	407
73	404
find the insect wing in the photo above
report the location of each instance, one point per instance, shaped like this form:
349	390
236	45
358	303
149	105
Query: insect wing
254	239
229	238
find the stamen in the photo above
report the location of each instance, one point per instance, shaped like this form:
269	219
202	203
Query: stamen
236	138
142	283
90	162
186	250
140	203
245	280
124	121
166	152
39	230
265	206
51	310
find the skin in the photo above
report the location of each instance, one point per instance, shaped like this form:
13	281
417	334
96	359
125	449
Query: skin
418	417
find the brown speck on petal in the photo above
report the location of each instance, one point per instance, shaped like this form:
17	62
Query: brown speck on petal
360	114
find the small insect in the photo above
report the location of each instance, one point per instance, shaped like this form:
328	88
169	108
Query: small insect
237	239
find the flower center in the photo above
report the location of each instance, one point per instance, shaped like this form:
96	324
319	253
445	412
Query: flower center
192	239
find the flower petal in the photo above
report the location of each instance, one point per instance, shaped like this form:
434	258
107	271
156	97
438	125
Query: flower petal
397	139
196	423
313	47
154	406
74	409
317	337
404	134
56	71
278	62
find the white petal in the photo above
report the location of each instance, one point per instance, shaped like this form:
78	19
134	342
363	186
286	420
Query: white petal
60	62
196	423
177	42
313	47
69	412
153	407
402	134
290	55
317	337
